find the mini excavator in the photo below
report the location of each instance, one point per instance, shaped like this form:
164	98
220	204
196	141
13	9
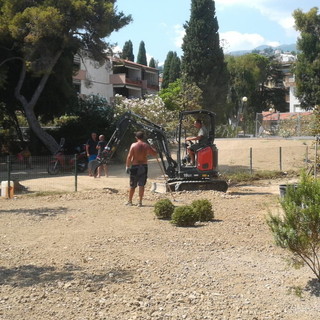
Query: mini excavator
179	174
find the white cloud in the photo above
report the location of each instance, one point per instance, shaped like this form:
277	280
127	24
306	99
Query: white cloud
179	32
234	40
273	43
271	9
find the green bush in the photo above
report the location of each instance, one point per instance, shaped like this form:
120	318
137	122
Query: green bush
164	209
203	209
184	216
298	229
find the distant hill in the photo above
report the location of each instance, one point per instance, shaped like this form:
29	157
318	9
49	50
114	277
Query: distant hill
262	49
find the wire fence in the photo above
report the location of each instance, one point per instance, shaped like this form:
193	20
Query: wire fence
34	175
287	124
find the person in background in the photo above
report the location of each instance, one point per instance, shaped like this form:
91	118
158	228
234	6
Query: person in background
202	139
25	156
91	149
100	147
137	166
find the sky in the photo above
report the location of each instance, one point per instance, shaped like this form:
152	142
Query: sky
243	24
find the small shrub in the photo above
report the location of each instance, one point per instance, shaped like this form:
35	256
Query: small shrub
184	216
298	228
164	209
203	209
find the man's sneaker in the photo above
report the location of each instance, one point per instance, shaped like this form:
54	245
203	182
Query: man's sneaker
139	204
129	204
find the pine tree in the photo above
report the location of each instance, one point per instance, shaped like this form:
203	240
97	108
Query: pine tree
175	68
166	70
152	63
127	51
307	67
203	58
142	56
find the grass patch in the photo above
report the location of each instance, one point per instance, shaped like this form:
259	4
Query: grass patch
45	193
245	176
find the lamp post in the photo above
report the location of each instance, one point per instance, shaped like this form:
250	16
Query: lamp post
243	107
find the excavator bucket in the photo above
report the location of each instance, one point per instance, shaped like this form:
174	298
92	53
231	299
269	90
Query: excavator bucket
163	187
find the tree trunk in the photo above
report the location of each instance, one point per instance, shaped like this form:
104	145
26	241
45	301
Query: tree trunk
28	106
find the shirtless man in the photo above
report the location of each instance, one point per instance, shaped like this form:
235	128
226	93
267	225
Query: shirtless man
138	160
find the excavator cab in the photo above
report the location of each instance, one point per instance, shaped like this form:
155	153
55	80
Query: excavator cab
206	155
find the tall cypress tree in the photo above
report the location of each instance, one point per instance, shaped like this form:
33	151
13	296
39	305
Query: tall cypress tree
175	68
166	70
142	56
152	63
203	58
127	51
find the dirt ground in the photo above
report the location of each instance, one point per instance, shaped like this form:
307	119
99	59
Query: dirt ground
86	256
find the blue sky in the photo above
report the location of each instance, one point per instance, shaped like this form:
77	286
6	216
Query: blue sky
243	24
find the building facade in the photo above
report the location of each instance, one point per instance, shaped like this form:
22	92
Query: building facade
114	76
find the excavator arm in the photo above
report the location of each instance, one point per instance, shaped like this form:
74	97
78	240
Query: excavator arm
155	133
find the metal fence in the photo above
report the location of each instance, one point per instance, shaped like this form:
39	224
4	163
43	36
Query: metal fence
294	124
33	177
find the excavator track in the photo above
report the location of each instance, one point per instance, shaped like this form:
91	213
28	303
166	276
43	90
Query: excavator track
192	185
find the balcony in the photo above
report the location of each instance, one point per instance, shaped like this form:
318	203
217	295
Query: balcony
120	79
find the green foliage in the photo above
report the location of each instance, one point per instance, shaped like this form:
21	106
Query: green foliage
203	58
181	96
142	55
89	114
203	209
164	209
152	63
249	76
127	51
35	36
298	126
245	176
171	69
307	67
316	121
298	229
166	70
184	216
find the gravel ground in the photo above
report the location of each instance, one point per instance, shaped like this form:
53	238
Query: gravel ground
86	256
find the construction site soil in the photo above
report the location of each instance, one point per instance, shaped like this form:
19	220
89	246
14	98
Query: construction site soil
85	255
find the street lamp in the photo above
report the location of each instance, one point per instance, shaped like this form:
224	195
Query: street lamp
244	101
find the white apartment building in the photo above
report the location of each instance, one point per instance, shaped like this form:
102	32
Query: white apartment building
115	76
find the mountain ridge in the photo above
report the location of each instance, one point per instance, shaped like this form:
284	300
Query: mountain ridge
283	48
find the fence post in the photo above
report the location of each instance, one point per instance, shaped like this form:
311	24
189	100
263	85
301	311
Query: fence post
251	160
9	175
75	173
280	158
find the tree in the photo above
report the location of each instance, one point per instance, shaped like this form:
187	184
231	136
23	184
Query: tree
250	76
152	63
181	96
175	68
35	34
298	229
171	69
307	67
142	56
166	70
203	58
127	51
